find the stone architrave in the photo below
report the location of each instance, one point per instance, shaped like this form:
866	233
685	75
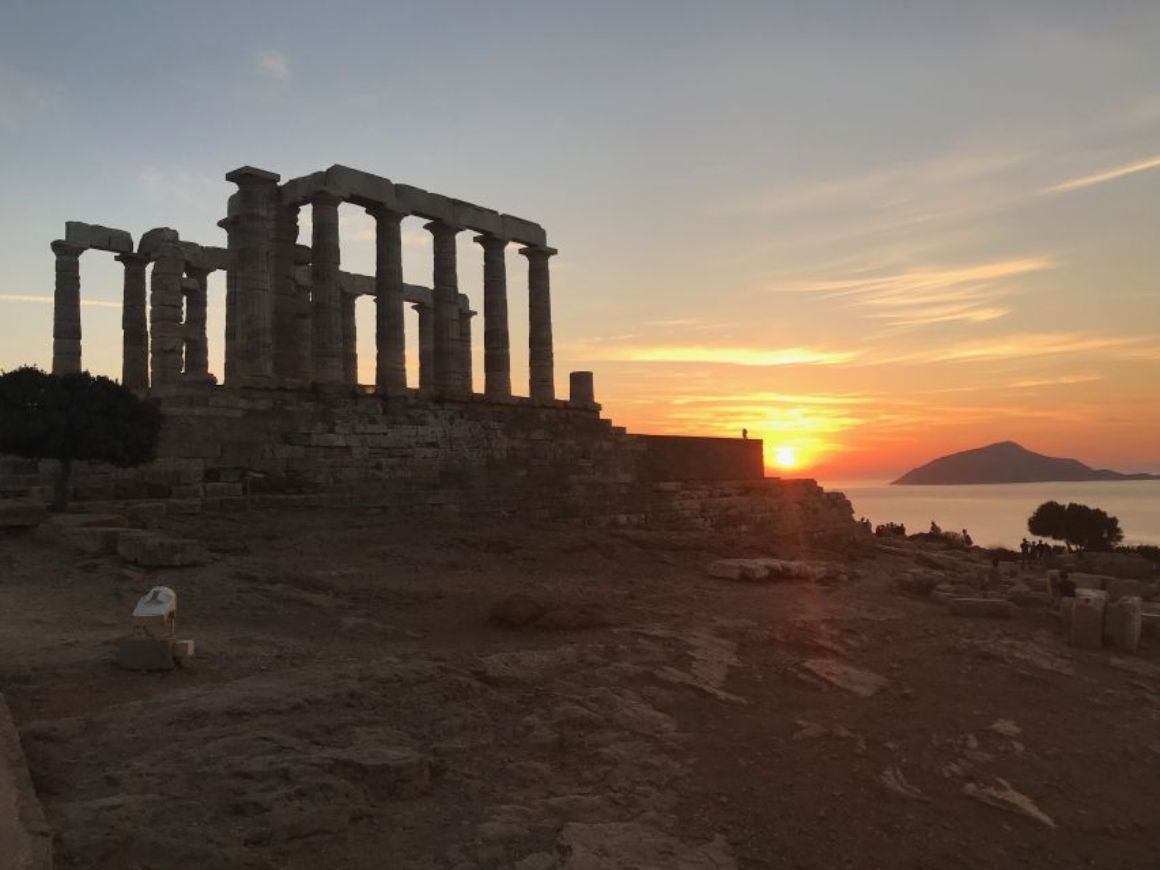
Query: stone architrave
196	347
325	304
497	369
166	331
134	323
349	338
542	380
445	292
426	346
291	361
465	316
66	310
252	247
390	331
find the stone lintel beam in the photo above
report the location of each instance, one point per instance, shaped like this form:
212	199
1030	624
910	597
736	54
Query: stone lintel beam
362	188
98	237
432	206
524	231
153	240
298	191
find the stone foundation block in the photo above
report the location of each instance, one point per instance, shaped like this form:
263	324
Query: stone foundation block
1120	587
1087	622
95	540
1123	623
146	654
157	551
981	607
21	513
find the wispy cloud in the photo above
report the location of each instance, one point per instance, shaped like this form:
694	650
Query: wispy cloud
48	300
273	65
1023	345
1032	383
930	295
1105	175
740	356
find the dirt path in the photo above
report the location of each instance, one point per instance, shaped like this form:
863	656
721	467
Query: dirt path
352	705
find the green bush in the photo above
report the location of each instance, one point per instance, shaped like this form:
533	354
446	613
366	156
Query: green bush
1077	525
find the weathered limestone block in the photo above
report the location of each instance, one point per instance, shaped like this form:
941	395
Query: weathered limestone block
25	837
1087	621
141	653
1123	623
1083	580
152	550
21	513
98	237
985	607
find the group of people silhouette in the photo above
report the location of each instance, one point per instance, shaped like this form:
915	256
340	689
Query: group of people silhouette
1033	551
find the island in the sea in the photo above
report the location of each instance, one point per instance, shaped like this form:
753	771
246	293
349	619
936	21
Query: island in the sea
1007	462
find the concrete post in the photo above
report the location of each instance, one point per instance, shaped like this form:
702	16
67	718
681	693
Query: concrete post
497	367
290	359
445	284
134	323
166	333
390	331
253	244
324	290
66	311
196	347
542	382
349	338
426	346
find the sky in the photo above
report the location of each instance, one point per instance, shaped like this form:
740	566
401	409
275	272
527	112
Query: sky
869	233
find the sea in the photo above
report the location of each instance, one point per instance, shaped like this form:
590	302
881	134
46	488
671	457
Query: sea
996	514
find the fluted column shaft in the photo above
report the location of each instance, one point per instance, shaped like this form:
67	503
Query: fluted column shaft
134	323
66	309
426	346
542	382
445	283
325	304
390	328
232	368
196	347
291	358
349	337
497	367
465	316
253	241
166	333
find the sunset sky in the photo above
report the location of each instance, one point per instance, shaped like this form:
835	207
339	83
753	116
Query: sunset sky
872	233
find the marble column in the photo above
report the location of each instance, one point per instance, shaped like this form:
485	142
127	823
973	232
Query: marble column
426	346
390	331
349	337
166	333
253	245
497	367
232	368
290	359
193	329
66	311
325	305
445	290
467	385
134	323
542	382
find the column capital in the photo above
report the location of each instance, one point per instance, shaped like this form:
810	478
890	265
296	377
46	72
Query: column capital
382	212
198	273
420	306
230	222
537	251
442	228
133	258
244	175
66	249
325	196
490	243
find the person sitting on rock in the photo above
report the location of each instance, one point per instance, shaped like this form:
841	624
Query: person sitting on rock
934	529
967	539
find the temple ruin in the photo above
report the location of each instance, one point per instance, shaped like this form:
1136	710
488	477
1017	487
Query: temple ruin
290	425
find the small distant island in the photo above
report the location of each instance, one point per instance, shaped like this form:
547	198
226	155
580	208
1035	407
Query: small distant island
1006	462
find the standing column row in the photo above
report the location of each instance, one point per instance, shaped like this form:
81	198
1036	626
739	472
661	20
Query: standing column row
325	305
134	323
251	242
390	331
542	381
196	348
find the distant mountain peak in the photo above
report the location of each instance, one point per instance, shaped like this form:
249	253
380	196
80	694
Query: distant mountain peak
1006	462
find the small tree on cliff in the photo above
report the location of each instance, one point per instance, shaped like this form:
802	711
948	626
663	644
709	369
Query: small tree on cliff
1077	525
74	417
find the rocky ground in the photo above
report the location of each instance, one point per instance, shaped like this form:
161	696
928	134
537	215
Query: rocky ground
372	693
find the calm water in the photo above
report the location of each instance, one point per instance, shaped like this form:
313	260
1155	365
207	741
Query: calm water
997	513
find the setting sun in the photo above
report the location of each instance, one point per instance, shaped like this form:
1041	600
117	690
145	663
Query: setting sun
785	457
